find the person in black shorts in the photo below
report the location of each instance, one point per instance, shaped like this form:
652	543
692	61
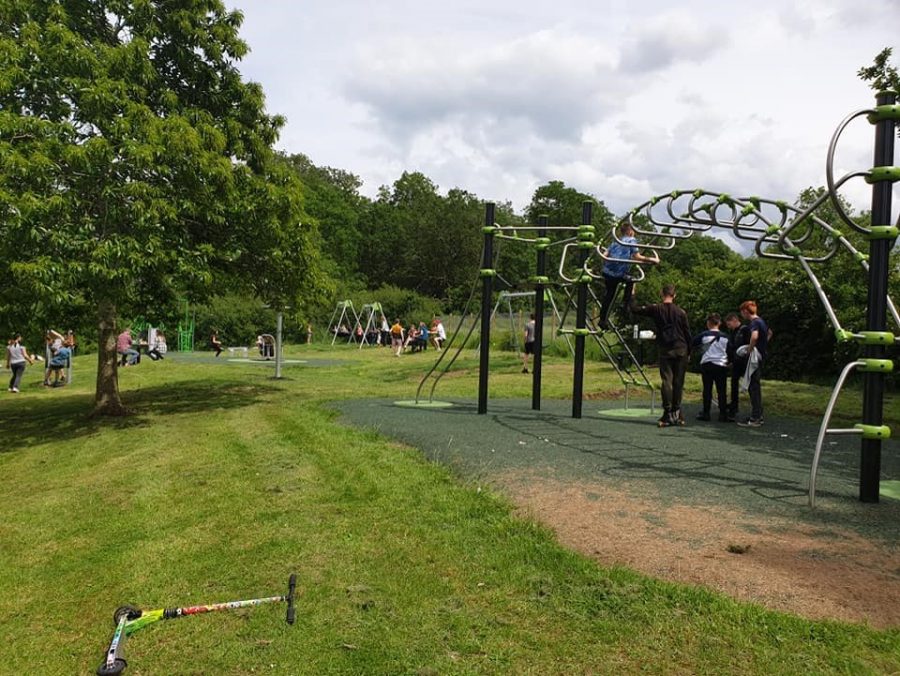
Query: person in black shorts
215	343
529	343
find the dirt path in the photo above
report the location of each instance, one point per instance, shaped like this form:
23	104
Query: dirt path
784	565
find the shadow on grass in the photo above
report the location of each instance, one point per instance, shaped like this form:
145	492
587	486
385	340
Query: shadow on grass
66	417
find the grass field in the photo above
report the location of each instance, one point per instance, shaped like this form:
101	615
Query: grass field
224	481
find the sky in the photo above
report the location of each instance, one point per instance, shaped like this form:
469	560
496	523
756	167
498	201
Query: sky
620	99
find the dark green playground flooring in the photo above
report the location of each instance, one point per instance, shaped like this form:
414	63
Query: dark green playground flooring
761	472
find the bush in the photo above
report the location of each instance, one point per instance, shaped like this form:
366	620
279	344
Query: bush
238	319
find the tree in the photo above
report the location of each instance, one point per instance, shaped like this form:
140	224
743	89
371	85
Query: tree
331	197
136	165
563	205
881	74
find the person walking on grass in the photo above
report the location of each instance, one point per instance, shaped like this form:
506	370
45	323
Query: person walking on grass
529	343
673	338
16	358
756	353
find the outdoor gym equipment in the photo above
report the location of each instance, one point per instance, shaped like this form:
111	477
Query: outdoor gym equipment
267	346
516	328
779	231
128	620
186	330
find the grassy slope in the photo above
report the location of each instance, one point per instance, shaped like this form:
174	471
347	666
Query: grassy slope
225	481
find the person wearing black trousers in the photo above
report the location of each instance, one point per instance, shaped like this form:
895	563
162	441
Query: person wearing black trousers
673	338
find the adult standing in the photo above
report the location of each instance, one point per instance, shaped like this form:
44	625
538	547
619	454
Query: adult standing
16	358
757	350
529	343
616	270
673	338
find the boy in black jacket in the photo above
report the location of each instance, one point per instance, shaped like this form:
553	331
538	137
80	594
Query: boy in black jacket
673	338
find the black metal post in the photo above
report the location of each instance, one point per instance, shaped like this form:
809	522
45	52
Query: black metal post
539	315
876	313
581	314
487	291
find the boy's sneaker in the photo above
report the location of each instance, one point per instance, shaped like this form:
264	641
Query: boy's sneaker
703	416
15	390
751	422
525	370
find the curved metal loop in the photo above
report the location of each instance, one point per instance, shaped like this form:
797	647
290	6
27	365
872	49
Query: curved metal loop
806	213
648	233
562	263
829	170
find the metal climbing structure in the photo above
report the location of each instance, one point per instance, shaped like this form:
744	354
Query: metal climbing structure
776	229
784	232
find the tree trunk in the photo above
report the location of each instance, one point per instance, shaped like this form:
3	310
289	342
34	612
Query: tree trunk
107	401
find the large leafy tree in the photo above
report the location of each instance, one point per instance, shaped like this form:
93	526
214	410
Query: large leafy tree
332	199
136	164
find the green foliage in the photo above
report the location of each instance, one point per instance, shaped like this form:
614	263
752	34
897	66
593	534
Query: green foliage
881	74
331	198
136	165
237	318
406	305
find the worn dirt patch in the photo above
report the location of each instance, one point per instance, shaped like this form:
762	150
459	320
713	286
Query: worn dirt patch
785	566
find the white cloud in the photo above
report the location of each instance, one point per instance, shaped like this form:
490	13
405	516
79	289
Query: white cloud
623	100
669	38
549	83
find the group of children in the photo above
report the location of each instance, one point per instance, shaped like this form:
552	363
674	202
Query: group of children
417	338
738	354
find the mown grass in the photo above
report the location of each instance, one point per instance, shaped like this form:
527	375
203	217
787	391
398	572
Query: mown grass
224	481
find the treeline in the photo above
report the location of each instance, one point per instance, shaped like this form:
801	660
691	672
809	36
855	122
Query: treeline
413	238
418	251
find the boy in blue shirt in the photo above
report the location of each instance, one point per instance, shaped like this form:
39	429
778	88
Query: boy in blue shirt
616	271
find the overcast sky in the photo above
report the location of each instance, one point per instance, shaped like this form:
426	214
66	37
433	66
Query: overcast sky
621	99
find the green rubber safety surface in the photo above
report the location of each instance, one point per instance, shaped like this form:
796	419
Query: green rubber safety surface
412	403
762	472
630	413
890	489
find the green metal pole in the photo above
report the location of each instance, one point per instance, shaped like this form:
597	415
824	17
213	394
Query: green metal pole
876	313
